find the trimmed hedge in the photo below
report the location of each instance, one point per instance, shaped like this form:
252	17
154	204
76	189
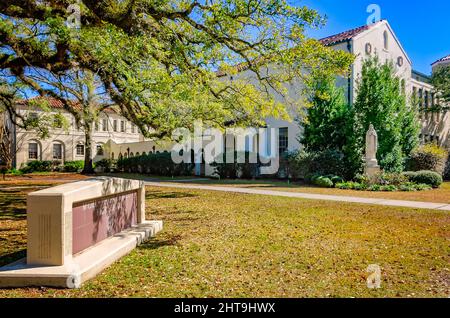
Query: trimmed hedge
237	170
428	157
302	164
430	178
155	163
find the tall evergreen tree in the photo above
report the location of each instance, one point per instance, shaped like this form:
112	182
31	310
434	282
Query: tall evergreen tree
324	126
381	100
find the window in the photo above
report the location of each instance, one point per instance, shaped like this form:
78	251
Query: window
131	155
112	155
400	61
57	123
421	98
96	126
33	115
105	125
122	126
133	128
100	151
283	140
80	150
57	151
33	150
368	48
426	99
115	125
137	154
386	40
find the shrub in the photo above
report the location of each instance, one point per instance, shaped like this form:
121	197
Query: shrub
235	170
41	166
389	188
393	178
430	178
73	166
336	180
422	187
106	165
374	187
327	162
323	182
349	185
155	163
428	157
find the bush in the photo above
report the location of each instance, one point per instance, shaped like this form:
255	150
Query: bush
323	182
430	178
41	166
155	163
302	164
73	166
393	178
349	186
428	157
389	188
235	170
106	165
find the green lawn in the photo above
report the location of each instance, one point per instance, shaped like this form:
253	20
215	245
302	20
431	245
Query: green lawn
236	245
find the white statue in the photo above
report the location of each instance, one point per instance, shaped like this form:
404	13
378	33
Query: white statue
371	152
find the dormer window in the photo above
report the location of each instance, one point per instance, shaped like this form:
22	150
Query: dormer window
386	40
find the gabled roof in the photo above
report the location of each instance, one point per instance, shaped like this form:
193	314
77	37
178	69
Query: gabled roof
444	59
55	103
344	36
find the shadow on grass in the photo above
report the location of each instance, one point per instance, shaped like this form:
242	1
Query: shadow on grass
12	207
12	257
157	242
152	195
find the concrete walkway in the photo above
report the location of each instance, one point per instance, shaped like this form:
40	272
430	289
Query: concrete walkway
373	201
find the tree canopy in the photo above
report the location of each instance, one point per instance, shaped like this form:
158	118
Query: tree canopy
158	59
381	101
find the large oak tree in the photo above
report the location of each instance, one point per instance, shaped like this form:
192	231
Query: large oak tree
159	60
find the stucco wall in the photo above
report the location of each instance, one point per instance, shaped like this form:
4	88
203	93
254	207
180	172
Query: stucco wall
70	137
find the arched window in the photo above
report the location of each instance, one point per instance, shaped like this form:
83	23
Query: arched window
137	154
131	155
125	155
112	155
153	149
120	156
386	40
58	150
144	154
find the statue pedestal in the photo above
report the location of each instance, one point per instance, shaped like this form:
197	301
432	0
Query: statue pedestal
371	171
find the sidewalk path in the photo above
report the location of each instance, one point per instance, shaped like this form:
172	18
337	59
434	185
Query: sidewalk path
385	202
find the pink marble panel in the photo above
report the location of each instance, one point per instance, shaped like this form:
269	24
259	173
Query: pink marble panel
96	220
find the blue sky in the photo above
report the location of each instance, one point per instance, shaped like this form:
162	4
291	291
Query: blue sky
423	27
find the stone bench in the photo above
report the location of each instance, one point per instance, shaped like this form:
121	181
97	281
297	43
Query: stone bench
77	229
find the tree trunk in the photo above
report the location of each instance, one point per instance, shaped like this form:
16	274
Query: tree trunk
88	155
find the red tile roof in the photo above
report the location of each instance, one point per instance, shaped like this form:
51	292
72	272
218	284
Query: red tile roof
56	103
444	59
344	36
